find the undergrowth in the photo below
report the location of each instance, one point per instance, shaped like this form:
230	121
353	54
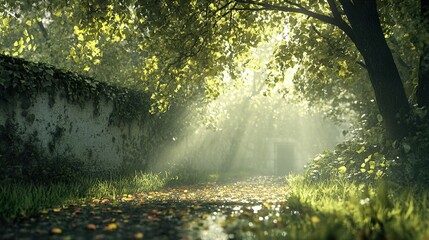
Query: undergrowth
343	209
369	187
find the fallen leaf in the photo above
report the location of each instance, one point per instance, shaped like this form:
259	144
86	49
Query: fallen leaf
138	235
56	210
156	212
127	199
91	227
111	227
56	231
153	218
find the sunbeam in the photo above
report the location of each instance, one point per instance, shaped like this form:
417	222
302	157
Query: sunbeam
247	130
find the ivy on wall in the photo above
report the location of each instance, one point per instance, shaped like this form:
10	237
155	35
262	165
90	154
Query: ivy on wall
20	78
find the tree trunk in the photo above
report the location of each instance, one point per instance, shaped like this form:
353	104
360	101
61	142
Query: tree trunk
422	91
384	76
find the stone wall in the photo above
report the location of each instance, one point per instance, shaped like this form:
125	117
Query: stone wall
66	129
79	118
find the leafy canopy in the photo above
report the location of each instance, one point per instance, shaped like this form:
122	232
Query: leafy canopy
184	48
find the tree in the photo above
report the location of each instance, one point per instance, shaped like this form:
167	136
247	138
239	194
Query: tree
215	37
365	31
423	86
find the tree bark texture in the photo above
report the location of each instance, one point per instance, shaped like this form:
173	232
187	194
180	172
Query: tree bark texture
422	91
389	91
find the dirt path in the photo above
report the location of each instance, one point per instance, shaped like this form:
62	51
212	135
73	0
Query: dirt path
244	209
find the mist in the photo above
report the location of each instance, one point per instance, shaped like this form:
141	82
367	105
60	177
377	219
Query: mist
246	130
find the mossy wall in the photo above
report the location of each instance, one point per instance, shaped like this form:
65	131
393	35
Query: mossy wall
64	115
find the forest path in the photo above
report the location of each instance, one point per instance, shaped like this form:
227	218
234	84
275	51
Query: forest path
243	209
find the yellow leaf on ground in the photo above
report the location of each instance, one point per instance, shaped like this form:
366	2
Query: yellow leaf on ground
56	210
56	231
138	235
111	227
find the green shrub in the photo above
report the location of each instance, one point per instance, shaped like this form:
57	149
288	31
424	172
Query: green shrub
369	157
351	160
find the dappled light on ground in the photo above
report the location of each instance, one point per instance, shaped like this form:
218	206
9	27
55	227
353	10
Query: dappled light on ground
241	209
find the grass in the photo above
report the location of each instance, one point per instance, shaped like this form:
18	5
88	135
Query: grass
340	209
115	186
19	199
25	199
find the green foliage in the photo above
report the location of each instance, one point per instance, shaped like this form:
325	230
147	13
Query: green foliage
368	157
173	50
356	161
177	49
167	49
412	158
24	80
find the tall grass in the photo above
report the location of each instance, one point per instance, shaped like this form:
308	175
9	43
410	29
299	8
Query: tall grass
25	199
138	182
340	209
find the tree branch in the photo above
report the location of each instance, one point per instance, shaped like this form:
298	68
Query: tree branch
342	24
43	29
224	6
347	6
334	9
297	8
248	9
